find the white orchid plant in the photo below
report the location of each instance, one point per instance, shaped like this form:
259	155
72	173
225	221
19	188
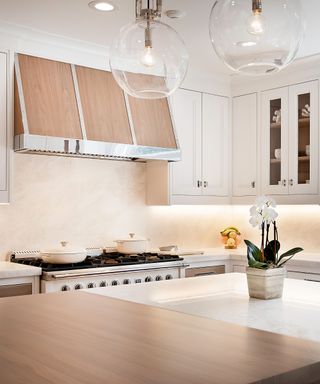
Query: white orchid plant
263	214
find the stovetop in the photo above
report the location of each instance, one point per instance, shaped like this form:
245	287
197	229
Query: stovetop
104	260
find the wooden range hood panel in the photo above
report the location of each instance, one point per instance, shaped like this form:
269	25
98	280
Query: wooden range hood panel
104	108
49	96
151	118
152	122
71	110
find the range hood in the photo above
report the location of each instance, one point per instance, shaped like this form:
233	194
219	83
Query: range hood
69	110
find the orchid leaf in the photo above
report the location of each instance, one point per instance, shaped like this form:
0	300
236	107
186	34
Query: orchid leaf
288	255
271	251
257	264
253	252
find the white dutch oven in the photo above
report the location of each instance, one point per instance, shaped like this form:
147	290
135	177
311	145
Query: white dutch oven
64	255
132	244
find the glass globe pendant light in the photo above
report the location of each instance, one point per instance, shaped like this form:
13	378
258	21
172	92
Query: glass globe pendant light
256	37
148	59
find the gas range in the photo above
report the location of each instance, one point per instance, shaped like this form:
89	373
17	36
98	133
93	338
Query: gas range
101	269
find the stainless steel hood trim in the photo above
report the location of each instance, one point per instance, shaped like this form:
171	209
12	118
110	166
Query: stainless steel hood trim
21	95
92	149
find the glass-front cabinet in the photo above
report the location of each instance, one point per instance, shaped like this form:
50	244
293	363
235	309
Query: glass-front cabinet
289	140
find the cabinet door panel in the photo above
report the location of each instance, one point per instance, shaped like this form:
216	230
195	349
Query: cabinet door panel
215	144
274	142
244	145
3	128
186	107
303	138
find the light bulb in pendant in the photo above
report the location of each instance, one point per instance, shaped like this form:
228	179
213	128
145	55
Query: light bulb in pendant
256	24
148	58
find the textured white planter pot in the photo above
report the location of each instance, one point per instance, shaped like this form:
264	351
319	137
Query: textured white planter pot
265	283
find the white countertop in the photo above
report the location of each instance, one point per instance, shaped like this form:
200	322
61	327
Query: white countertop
11	270
225	298
217	254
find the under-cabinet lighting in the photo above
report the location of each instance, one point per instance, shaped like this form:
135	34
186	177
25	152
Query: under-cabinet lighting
103	6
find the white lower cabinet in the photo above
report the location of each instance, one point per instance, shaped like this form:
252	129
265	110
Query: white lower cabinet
202	176
307	276
19	286
4	155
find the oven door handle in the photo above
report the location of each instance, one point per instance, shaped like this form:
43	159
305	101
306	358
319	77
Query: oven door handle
83	274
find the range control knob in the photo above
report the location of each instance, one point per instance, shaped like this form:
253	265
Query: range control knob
115	282
103	284
78	286
169	277
126	281
65	288
158	278
91	285
148	279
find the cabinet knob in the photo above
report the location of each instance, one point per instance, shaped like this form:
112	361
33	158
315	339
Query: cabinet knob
205	184
199	183
253	184
291	182
284	183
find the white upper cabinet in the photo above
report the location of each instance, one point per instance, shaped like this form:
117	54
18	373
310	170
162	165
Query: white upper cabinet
274	141
186	174
202	124
202	176
289	140
303	138
215	145
244	145
4	177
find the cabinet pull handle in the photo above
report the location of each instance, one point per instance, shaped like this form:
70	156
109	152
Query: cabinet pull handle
199	183
205	184
291	182
205	274
253	184
284	183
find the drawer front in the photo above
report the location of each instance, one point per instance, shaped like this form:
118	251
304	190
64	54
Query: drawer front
16	290
205	271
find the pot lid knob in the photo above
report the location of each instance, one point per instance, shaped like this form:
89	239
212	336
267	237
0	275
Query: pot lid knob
132	235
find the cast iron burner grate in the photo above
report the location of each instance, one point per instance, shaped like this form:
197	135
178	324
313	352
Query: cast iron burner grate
104	260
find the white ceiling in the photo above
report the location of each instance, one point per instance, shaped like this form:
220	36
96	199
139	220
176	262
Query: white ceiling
74	19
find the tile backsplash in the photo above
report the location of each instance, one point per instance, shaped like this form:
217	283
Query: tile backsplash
92	202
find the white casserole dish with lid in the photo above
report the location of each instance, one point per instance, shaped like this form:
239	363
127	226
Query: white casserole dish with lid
64	254
132	244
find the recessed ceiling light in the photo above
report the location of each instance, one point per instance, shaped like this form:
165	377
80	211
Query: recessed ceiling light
104	6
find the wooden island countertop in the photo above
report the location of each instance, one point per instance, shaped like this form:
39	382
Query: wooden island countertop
77	337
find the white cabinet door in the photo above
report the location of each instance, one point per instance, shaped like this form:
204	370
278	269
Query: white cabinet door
274	142
303	138
244	145
4	198
186	174
215	145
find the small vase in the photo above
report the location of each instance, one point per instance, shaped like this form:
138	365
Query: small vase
265	284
